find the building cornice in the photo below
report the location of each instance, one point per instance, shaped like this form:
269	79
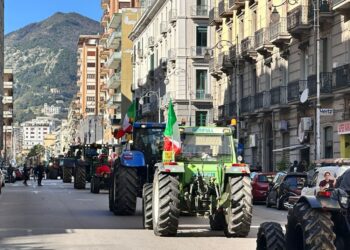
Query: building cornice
145	19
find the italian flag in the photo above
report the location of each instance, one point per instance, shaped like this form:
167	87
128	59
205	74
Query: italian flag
128	120
172	141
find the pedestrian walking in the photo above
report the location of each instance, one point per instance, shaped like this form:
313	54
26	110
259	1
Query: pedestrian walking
25	174
302	166
294	167
40	171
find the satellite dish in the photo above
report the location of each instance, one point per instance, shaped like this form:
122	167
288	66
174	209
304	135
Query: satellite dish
304	96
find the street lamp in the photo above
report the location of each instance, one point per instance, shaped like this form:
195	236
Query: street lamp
316	26
207	57
148	94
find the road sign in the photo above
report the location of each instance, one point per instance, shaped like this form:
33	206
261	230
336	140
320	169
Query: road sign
326	112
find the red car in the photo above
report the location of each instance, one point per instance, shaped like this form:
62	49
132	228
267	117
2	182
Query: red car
260	185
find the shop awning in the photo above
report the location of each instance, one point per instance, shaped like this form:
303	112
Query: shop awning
291	148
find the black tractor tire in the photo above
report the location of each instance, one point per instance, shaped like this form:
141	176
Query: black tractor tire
270	237
53	174
165	204
309	228
126	186
147	206
217	221
80	178
67	175
95	185
238	215
111	194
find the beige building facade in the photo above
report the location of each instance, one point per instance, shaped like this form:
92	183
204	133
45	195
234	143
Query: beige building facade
2	63
268	63
7	105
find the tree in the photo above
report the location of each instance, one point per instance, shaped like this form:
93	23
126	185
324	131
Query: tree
36	150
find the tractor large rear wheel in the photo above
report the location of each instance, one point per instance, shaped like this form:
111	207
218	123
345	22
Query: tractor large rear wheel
165	204
80	177
111	194
95	185
217	221
270	237
238	215
67	175
147	205
309	229
126	186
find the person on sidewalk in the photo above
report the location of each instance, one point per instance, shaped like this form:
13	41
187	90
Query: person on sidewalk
40	172
25	174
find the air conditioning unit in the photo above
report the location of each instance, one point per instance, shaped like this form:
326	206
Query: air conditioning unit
252	141
306	123
164	63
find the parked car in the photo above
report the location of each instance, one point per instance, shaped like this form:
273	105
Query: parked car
260	185
284	186
2	180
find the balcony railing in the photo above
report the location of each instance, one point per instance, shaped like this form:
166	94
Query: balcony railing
197	51
262	100
224	10
279	95
114	81
113	61
342	76
202	94
163	27
279	32
114	39
224	60
172	15
233	52
247	48
200	11
214	17
247	104
235	4
262	37
298	21
293	91
325	83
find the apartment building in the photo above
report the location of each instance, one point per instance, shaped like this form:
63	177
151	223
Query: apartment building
2	36
170	40
7	107
118	19
266	66
50	110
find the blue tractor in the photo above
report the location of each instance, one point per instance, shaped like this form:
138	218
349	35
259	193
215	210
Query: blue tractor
135	166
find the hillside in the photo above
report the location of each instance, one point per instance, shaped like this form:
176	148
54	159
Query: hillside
43	56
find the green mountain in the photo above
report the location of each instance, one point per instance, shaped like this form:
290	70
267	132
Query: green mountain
43	56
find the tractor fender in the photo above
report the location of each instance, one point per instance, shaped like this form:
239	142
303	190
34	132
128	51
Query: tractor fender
170	167
132	159
320	202
244	170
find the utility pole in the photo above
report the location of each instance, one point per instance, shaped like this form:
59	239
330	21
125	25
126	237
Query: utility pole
318	105
237	91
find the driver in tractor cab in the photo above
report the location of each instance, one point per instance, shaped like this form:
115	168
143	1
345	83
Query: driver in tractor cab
103	168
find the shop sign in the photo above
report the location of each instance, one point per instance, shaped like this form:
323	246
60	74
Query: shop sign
326	112
344	128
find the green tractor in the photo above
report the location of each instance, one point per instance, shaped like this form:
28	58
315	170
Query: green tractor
205	180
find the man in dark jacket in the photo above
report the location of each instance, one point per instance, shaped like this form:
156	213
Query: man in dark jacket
343	181
25	174
40	171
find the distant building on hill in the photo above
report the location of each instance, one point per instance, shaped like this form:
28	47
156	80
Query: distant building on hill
50	110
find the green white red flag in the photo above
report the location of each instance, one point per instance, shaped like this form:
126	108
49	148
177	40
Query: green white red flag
172	141
128	120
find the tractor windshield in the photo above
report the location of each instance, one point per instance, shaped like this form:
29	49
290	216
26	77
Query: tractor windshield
149	141
204	147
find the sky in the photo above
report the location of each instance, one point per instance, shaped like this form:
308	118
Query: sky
19	13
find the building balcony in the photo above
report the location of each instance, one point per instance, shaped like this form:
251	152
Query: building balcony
172	16
226	111
198	52
224	10
113	41
342	7
200	11
214	18
325	84
236	4
279	35
8	85
114	81
7	99
115	22
248	51
105	18
213	67
325	12
203	96
150	42
262	42
342	77
247	105
294	91
172	55
262	101
224	61
279	96
298	24
163	27
8	114
114	99
113	61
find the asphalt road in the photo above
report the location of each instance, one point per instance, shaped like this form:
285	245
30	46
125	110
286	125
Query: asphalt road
56	216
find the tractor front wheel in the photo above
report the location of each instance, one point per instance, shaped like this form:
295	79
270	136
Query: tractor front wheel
238	215
270	237
147	206
165	204
67	175
80	177
95	185
126	185
309	228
